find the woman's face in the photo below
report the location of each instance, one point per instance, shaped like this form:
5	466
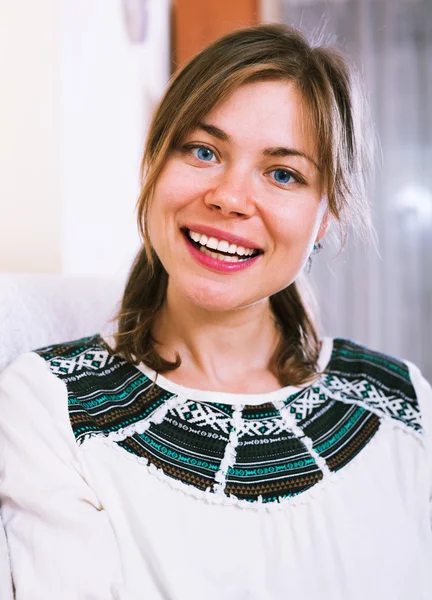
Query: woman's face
240	203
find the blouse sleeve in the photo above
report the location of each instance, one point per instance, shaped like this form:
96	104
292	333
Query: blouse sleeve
424	397
60	540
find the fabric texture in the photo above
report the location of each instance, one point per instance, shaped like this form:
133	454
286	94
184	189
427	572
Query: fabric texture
150	489
37	310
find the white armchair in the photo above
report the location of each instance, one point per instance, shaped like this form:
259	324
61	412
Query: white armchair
38	310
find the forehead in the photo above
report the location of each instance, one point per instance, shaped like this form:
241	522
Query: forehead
265	113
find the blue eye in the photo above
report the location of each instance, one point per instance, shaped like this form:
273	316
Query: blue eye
283	176
203	153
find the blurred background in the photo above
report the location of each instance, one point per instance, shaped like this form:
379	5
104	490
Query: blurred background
79	81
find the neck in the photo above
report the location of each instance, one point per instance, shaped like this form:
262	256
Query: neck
218	350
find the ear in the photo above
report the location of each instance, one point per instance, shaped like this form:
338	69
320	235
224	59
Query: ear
325	224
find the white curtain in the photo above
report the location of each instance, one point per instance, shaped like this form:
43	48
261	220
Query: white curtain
385	300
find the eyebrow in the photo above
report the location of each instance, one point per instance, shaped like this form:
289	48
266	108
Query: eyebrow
278	151
214	131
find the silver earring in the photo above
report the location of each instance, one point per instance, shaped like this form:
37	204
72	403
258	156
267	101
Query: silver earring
317	248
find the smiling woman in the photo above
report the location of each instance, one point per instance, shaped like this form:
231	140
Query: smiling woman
215	446
264	200
260	136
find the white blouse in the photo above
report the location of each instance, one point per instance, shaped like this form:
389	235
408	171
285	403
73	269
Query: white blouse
115	487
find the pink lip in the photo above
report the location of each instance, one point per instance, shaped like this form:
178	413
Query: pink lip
215	264
222	235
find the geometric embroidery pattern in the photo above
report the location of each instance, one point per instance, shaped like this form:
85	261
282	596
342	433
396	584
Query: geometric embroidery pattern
306	403
373	379
105	392
276	456
199	414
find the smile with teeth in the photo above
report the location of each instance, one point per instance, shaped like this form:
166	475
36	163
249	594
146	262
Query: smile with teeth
221	249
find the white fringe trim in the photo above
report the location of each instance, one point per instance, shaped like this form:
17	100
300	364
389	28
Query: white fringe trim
230	454
140	426
302	498
218	495
220	499
291	424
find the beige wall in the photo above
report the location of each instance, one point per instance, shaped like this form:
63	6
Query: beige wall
29	126
75	101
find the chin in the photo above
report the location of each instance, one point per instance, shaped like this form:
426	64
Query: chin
214	302
214	296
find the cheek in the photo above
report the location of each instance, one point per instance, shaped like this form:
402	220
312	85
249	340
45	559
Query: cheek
168	198
296	225
177	186
175	189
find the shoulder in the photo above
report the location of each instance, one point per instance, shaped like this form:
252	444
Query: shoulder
88	353
105	392
381	382
33	412
27	388
46	498
34	388
352	360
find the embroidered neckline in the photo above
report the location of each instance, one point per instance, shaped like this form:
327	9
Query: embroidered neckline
246	452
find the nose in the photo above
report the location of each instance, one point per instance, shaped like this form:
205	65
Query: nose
231	194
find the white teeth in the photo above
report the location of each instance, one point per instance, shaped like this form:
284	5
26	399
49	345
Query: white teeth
212	243
220	257
222	245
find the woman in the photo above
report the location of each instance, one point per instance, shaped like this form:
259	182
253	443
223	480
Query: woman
216	447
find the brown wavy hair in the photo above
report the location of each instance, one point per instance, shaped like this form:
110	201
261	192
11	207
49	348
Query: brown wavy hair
330	89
